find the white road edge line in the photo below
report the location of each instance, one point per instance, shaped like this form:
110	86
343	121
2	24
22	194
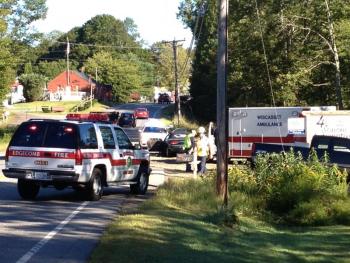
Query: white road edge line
26	257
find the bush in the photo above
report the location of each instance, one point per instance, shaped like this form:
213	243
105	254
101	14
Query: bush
301	192
33	86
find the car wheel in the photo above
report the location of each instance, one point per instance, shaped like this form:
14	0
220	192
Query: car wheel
167	152
142	183
27	189
94	189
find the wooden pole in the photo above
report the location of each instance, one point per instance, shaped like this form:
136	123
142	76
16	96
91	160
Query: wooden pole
221	111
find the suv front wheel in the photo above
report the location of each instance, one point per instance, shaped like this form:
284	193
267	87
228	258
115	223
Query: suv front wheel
27	189
94	188
142	183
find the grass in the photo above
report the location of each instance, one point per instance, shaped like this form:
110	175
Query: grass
184	122
181	225
36	106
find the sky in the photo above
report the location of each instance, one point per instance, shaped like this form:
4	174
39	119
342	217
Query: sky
156	19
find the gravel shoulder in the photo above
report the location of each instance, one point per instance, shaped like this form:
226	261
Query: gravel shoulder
172	168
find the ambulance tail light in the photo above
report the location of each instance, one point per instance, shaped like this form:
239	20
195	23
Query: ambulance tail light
7	154
78	157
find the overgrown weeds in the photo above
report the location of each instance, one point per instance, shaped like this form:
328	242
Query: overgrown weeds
293	191
197	197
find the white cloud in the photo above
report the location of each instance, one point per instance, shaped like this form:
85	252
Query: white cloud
156	19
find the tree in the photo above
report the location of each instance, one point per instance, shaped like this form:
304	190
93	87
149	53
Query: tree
122	75
164	60
282	53
131	28
33	86
16	17
20	15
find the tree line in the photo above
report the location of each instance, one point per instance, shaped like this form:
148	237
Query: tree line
282	53
104	47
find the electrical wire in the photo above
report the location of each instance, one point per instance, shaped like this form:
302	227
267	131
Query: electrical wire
201	14
267	68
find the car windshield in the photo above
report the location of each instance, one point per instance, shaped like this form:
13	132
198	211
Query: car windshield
154	129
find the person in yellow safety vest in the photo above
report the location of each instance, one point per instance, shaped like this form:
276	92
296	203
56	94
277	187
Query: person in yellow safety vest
202	146
189	145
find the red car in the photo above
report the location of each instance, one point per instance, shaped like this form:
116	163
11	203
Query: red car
141	113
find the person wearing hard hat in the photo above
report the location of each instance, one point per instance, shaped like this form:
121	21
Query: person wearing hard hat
202	146
189	145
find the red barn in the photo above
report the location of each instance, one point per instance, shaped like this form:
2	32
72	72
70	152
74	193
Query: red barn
79	84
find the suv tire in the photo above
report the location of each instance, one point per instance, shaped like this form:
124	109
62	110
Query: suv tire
27	189
94	189
142	183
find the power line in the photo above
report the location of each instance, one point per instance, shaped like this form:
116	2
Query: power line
100	46
201	14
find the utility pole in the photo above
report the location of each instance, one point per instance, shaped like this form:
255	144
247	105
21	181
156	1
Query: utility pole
221	110
177	96
67	53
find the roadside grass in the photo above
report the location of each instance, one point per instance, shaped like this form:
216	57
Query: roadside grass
171	119
183	223
36	106
5	136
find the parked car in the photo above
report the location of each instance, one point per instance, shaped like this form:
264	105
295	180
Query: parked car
152	135
336	148
141	113
127	119
174	142
164	98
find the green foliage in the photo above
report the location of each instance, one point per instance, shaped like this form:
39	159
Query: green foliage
122	75
300	52
7	72
19	16
52	69
197	196
292	187
33	86
164	61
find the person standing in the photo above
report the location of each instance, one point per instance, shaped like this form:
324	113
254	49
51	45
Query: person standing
202	146
189	146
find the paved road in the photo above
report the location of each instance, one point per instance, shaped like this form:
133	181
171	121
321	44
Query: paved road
154	110
57	227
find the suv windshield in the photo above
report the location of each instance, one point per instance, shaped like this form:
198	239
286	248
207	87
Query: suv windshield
46	134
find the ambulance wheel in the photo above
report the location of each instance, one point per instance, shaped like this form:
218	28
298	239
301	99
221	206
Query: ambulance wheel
142	183
27	189
94	188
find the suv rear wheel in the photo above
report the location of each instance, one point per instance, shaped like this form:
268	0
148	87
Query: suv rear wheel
94	188
27	189
142	183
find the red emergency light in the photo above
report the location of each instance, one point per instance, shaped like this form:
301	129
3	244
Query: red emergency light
87	116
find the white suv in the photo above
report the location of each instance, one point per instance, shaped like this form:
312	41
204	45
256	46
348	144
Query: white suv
82	154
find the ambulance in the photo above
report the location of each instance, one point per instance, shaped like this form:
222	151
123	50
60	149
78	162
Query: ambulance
279	125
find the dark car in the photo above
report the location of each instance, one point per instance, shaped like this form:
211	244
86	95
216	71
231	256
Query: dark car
174	142
164	98
127	119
